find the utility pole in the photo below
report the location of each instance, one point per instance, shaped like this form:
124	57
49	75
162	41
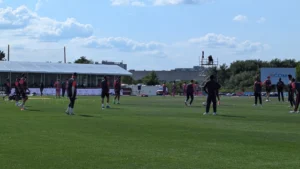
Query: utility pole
8	48
65	55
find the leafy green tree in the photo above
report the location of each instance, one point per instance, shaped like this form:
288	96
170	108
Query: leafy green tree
151	79
84	60
128	80
298	72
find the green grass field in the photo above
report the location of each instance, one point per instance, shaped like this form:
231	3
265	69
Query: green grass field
149	133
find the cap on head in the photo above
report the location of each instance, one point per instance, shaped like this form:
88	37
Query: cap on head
75	74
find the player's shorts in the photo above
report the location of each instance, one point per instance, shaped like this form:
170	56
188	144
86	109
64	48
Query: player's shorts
268	90
104	94
24	95
117	92
57	90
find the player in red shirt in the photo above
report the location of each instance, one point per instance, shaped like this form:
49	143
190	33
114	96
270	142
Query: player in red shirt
23	90
268	85
164	89
293	92
57	86
117	87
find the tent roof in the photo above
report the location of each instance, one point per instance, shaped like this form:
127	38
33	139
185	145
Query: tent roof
62	68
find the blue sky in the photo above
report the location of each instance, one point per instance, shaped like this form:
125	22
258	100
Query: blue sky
150	34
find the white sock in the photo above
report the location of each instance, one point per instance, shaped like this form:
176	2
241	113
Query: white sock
71	110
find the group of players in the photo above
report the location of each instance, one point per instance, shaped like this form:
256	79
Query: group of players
292	91
22	90
211	88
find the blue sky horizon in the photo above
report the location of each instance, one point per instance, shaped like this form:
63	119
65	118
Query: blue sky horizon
150	34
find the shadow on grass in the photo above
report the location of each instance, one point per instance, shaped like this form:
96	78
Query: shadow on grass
88	116
34	110
230	116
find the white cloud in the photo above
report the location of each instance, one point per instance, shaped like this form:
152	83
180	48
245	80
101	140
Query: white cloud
212	40
39	3
28	23
127	2
261	20
157	2
178	2
119	43
240	18
1	1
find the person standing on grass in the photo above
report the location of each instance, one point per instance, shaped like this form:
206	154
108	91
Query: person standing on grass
174	89
293	92
184	86
63	88
72	92
57	85
23	90
7	89
290	91
117	86
164	89
268	85
42	88
190	93
280	88
257	91
211	88
105	92
297	89
17	91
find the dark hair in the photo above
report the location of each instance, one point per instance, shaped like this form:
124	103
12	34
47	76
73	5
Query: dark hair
192	81
212	77
290	76
280	79
75	74
293	80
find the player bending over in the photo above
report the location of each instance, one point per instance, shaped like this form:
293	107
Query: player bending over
105	92
7	89
117	87
211	87
72	92
190	93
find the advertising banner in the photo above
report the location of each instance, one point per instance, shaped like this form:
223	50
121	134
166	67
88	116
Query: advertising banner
276	73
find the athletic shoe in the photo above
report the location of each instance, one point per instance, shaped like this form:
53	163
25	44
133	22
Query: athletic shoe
215	114
254	105
107	106
186	103
292	112
205	114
